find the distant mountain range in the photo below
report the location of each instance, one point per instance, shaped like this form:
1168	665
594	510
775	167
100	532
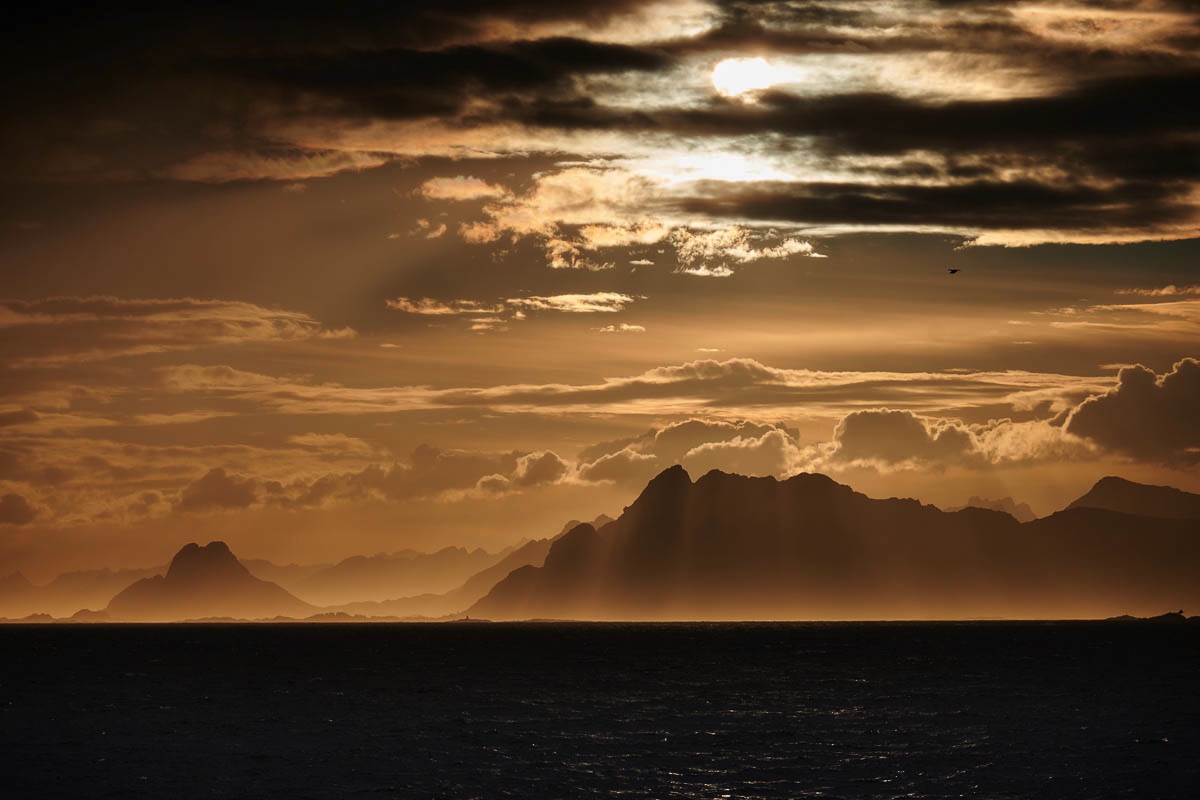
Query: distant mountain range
68	592
390	575
1021	512
732	547
438	605
722	547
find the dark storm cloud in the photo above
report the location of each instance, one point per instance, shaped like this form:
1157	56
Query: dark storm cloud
976	204
87	83
1104	110
418	82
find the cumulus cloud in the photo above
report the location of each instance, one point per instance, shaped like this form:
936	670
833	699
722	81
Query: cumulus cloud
776	452
218	490
534	469
16	510
698	444
625	466
1146	415
896	436
890	439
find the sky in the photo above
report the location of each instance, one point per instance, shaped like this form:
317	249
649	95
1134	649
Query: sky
321	281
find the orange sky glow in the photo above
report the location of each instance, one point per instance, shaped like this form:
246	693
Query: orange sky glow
456	273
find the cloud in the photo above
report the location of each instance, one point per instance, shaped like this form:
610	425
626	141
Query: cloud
485	317
622	328
16	510
217	490
579	211
425	228
595	303
775	452
626	466
460	188
19	416
892	439
228	166
64	330
735	387
733	243
698	444
534	469
1170	290
1035	123
897	436
1146	415
706	272
427	306
432	473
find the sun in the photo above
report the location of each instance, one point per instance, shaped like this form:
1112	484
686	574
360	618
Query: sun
737	76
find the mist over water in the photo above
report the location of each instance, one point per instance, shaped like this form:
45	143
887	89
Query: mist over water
1020	710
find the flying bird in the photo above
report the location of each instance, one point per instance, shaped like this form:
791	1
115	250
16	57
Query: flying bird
952	271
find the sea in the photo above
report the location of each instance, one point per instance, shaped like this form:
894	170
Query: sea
566	710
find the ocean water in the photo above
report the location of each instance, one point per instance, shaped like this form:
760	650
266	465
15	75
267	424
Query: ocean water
871	710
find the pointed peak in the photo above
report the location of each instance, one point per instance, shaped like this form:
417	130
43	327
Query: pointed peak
672	480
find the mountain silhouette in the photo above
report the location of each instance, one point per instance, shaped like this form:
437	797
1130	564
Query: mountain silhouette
390	575
1021	512
1118	494
732	547
203	582
531	553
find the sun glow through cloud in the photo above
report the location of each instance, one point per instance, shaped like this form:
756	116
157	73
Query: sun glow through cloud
735	77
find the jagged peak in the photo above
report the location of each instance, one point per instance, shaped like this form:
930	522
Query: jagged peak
663	491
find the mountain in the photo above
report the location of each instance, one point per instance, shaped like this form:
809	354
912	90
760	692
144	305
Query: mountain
201	582
1118	494
1021	512
390	575
289	576
732	547
531	553
69	591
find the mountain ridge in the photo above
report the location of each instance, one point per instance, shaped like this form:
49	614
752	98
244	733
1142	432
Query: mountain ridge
1118	494
732	547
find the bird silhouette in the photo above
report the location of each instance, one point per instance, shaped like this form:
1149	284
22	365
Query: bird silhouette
952	271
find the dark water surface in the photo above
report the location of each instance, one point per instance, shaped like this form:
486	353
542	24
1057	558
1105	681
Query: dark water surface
997	710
